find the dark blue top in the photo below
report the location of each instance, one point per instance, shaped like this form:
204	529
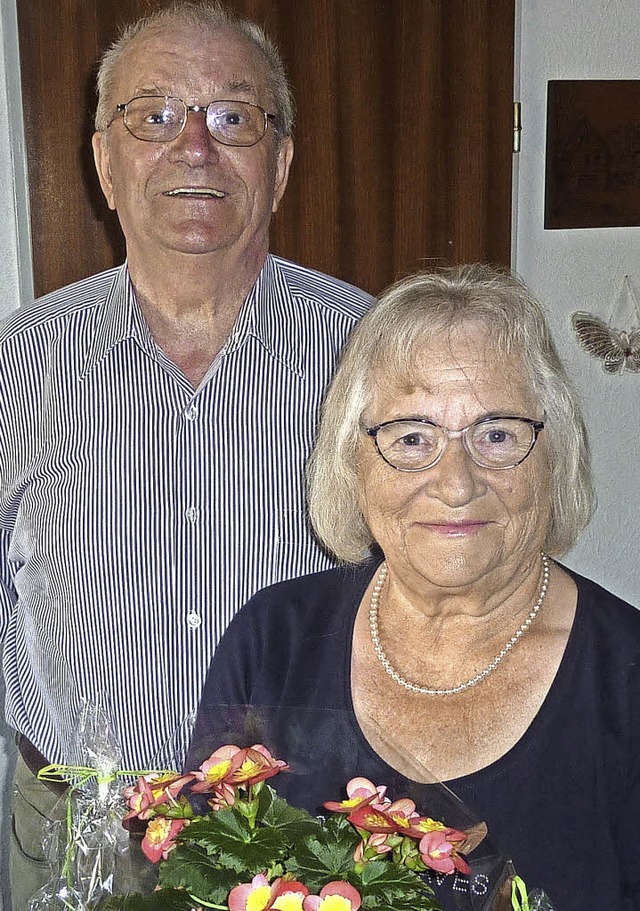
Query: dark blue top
564	802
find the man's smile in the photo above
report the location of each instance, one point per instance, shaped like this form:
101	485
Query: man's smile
196	191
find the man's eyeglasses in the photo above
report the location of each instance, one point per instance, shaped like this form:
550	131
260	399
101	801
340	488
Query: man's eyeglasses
161	118
415	444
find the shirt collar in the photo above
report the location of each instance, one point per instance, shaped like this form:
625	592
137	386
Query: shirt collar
119	318
269	314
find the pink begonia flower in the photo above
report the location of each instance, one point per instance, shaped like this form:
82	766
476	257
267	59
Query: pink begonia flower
371	820
257	765
360	792
217	768
231	766
153	790
421	825
439	853
258	895
335	896
404	816
258	892
376	843
224	795
159	839
288	895
403	807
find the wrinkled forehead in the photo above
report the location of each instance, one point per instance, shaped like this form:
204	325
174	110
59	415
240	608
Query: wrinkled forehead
178	58
472	350
404	360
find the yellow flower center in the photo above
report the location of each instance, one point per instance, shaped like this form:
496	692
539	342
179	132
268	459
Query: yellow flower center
157	784
248	769
290	901
158	830
161	779
335	903
374	819
430	825
258	898
401	821
219	770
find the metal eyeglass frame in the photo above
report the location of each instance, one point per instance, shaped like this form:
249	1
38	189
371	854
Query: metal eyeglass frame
536	426
196	108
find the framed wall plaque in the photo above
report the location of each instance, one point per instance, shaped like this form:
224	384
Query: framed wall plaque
592	173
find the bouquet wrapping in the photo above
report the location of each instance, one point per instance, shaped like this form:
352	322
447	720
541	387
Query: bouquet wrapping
90	852
260	821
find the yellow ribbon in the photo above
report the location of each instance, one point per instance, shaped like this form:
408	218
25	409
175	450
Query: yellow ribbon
76	777
519	896
61	774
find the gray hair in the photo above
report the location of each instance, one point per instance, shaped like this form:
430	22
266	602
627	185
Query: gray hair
387	343
214	16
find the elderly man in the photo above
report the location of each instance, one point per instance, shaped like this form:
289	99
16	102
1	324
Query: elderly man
155	419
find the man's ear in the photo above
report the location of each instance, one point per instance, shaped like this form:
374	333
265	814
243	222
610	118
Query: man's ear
102	161
283	163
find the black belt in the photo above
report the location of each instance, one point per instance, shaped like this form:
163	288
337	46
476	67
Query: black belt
34	761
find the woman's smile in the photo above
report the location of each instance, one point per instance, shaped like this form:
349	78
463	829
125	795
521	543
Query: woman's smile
455	529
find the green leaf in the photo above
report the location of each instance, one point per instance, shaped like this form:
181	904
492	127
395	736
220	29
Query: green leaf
385	886
228	836
167	900
265	848
326	855
294	824
190	867
210	828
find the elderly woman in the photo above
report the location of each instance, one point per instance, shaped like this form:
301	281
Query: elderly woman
450	473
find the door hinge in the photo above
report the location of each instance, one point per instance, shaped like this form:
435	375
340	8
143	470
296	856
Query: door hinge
517	125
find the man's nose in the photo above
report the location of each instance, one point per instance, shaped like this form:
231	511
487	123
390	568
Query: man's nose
195	143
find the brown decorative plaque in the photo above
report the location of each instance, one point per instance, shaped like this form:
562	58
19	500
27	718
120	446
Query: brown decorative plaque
593	154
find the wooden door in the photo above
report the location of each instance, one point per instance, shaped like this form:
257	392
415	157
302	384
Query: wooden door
403	138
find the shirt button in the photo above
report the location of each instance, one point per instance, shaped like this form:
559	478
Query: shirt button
192	514
192	412
194	620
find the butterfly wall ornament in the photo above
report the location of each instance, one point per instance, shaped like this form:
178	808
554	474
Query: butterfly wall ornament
619	349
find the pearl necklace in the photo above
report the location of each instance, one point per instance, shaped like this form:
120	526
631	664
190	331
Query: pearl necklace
448	691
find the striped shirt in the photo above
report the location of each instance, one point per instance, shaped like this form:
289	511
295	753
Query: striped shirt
138	514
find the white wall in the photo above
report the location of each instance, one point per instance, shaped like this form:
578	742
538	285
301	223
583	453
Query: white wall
583	269
16	282
16	285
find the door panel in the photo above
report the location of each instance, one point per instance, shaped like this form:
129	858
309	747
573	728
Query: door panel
403	137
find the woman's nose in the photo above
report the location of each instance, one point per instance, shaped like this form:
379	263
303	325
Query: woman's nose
455	479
